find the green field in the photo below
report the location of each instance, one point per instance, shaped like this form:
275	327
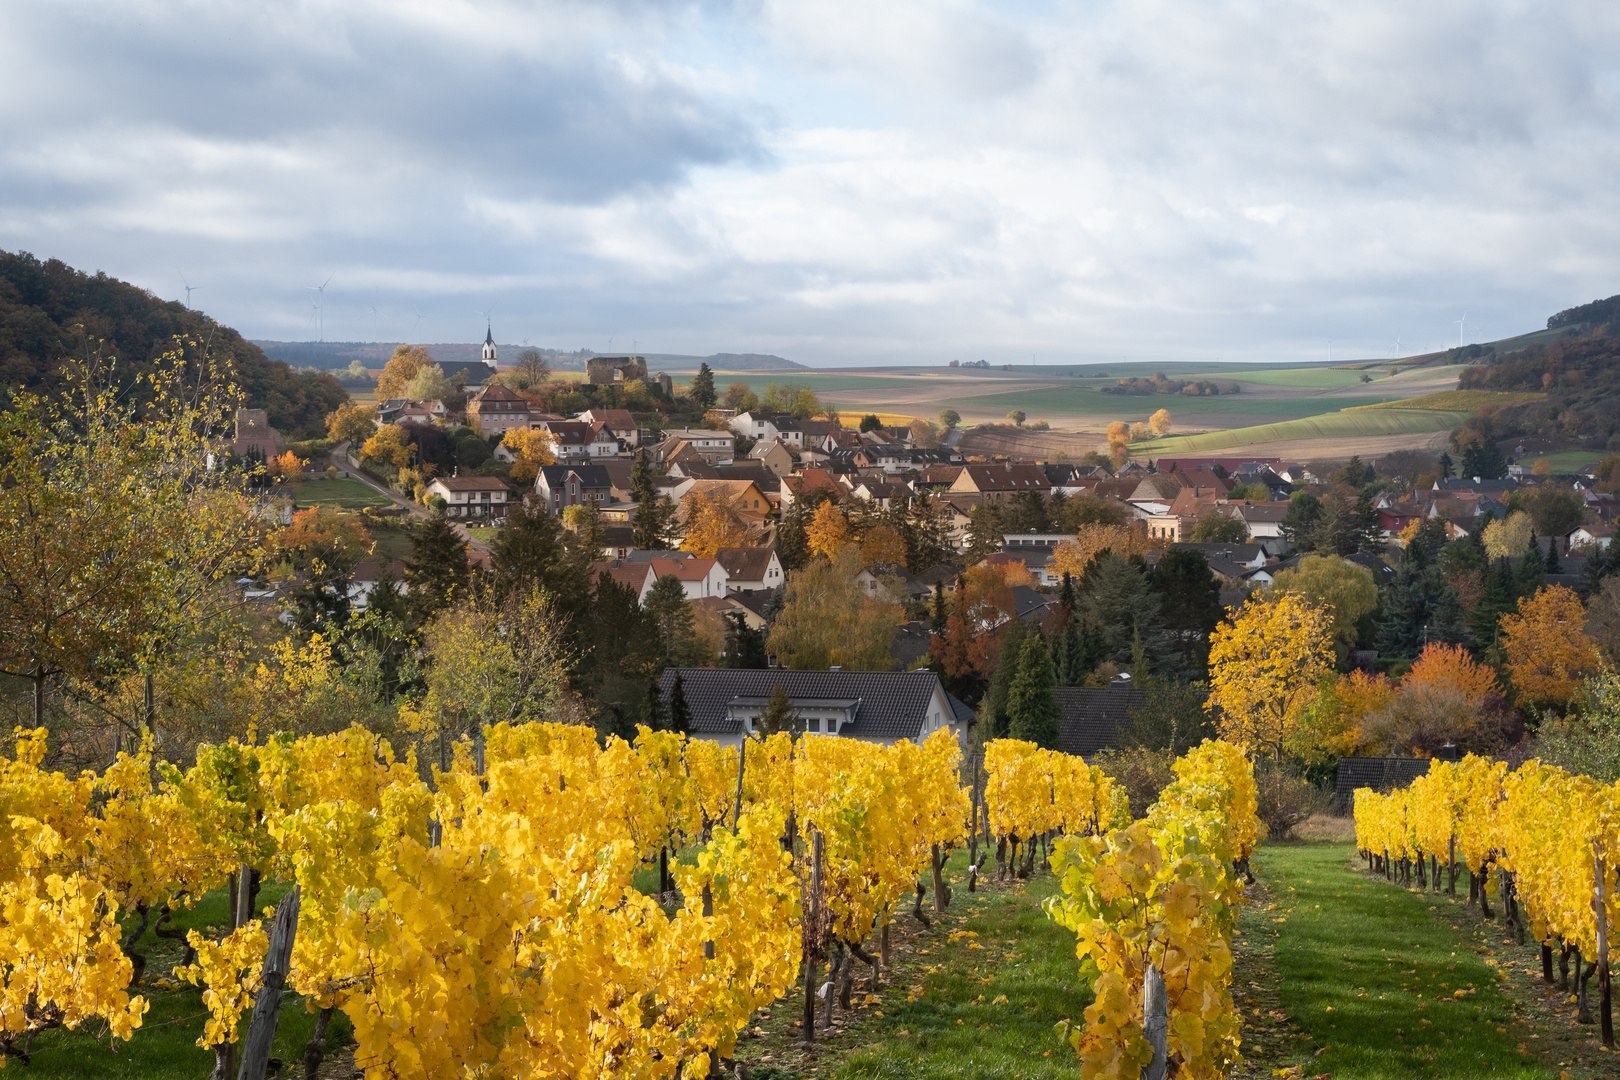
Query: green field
1459	400
818	381
1337	425
1079	401
345	492
1304	378
1567	461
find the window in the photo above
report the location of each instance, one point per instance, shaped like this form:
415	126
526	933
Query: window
812	724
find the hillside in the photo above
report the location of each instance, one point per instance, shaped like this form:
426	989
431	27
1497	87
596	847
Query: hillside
50	311
339	354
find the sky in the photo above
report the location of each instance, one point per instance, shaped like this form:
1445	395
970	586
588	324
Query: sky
839	182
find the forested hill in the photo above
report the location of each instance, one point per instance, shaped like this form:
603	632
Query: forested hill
1579	371
50	312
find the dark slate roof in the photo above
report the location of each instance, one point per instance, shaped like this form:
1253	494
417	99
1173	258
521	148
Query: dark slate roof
893	704
1470	484
964	714
1090	719
1378	773
592	476
1030	603
474	371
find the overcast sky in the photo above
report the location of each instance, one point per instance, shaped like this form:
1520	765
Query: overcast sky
836	181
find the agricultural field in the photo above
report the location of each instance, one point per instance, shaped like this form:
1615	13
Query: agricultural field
1458	400
1336	426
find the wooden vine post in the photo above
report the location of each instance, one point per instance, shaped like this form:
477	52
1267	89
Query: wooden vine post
1155	1022
1601	910
812	940
267	1003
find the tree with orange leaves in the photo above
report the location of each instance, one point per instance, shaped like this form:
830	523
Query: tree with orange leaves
1335	724
1119	436
984	608
1545	648
288	468
712	523
828	530
1453	667
1073	556
882	544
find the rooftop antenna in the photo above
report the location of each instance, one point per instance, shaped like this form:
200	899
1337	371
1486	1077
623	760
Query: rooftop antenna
190	288
320	309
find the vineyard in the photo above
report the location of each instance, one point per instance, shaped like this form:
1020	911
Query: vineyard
1541	841
484	918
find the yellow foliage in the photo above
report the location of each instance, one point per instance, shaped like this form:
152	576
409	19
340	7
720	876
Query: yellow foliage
883	545
828	530
1072	556
1546	650
1508	538
389	445
1159	423
712	523
1264	667
532	448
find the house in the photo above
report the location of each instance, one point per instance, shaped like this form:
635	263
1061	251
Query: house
253	432
1177	521
1001	480
881	494
712	446
578	441
893	581
1474	485
807	481
496	408
402	410
638	577
872	706
744	496
699	578
617	540
756	425
751	569
1249	556
1591	537
618	422
569	485
363	581
1090	720
471	496
773	454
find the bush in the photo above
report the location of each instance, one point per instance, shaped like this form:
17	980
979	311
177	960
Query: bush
1143	773
1286	799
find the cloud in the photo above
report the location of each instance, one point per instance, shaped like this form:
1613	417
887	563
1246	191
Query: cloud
833	180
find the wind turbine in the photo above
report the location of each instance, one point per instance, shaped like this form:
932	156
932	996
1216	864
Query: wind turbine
418	327
374	314
1397	355
190	288
1460	329
320	317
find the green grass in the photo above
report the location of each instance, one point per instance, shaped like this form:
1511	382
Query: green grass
345	492
1567	461
1336	425
1303	378
486	533
1364	964
818	381
1459	400
164	1046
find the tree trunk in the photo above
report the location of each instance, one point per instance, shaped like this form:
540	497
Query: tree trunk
883	944
1563	966
917	911
315	1049
132	938
941	899
1001	858
1546	963
1451	865
742	759
812	941
1584	970
708	913
1601	910
267	1002
870	961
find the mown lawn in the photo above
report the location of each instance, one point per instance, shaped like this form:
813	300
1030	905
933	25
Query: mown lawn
345	492
1379	982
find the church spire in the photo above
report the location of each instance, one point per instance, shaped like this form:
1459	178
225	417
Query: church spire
489	346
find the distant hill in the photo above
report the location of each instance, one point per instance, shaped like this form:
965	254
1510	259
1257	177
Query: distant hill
340	354
50	312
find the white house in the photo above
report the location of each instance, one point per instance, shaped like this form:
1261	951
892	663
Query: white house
471	496
751	569
782	427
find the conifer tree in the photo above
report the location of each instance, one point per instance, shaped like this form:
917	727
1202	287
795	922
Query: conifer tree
993	709
655	717
938	617
436	569
680	713
701	391
1032	711
650	530
777	716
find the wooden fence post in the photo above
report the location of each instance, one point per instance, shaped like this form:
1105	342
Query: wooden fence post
267	1003
1155	1022
811	940
1600	904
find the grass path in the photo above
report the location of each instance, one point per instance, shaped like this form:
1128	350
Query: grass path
1375	981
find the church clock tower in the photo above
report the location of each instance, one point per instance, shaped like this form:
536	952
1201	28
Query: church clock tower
489	347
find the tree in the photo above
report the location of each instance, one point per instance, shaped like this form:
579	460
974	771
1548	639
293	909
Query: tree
827	619
1189	605
436	569
984	531
654	514
388	446
1172	718
1483	458
923	435
1299	523
1219	527
1354	473
740	399
401	368
1032	711
1076	511
1545	648
1117	599
429	384
870	422
745	646
1074	556
1555	511
1264	666
531	367
938	615
1344	589
287	468
949	417
1603	619
1509	538
1159	423
1447	470
712	523
777	716
882	544
1452	666
701	389
671	613
532	448
828	531
680	713
350	423
529	552
995	721
1338	531
1017	416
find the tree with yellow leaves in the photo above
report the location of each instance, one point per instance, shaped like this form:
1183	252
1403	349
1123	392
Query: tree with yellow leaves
828	530
1119	437
388	445
827	619
532	448
1264	667
401	369
1547	653
712	523
1508	538
351	423
287	468
1159	423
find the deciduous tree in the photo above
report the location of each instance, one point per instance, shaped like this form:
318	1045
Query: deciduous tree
828	531
388	446
351	423
1508	538
712	523
882	544
1159	423
1090	540
827	619
401	368
1343	588
1264	667
1545	648
532	448
1219	527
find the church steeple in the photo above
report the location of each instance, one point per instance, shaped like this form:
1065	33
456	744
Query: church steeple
489	346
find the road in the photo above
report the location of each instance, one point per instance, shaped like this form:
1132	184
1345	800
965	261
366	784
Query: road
340	460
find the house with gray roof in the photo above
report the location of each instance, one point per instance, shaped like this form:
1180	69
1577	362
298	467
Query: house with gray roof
1090	720
872	706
